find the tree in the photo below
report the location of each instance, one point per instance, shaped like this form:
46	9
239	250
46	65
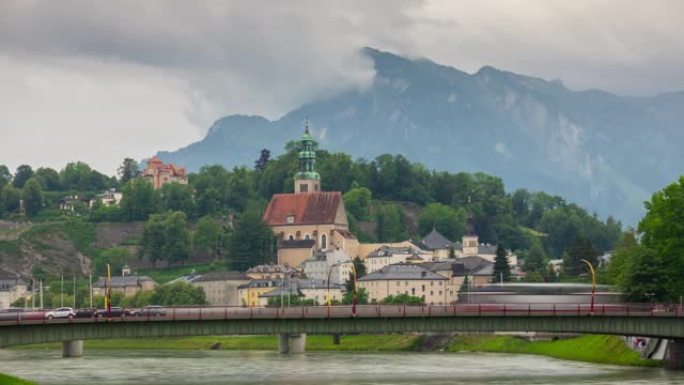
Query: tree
79	176
390	223
176	238
33	197
648	278
154	238
251	243
11	199
128	170
49	179
403	299
5	176
581	248
359	267
535	260
179	293
116	258
663	234
261	163
448	221
502	268
176	197
207	236
361	297
357	201
22	175
139	200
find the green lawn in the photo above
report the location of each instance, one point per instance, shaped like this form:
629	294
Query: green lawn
9	380
590	348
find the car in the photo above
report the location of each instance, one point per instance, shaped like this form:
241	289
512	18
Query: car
114	311
11	314
151	311
61	312
88	312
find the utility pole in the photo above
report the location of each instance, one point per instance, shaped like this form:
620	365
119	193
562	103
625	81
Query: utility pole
33	293
74	302
62	293
41	294
90	282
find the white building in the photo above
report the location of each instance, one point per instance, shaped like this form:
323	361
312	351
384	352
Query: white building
387	255
333	264
12	289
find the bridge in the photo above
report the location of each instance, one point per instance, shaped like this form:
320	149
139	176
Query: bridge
292	324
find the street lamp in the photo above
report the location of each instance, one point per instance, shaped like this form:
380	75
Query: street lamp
593	285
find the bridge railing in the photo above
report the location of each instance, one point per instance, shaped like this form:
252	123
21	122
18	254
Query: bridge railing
199	313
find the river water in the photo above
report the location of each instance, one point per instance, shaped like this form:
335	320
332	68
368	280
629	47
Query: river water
159	367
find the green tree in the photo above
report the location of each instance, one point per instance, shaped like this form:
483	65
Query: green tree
33	197
536	260
115	257
361	297
79	176
128	170
154	238
177	197
22	175
5	176
448	221
389	223
261	163
49	179
139	200
177	294
502	268
648	278
176	238
581	248
357	201
252	242
11	199
207	236
403	299
662	231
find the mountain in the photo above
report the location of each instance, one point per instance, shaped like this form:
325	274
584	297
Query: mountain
604	151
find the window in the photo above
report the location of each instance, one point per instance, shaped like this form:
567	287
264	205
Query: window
303	187
432	292
405	283
413	291
324	241
290	237
307	236
423	287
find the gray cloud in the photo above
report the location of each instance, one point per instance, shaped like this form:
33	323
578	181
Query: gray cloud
155	74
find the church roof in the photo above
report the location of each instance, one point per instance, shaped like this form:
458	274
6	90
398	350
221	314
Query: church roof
304	208
435	241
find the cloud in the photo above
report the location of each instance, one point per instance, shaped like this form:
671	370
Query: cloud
98	81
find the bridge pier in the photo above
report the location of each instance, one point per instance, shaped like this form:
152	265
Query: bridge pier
674	357
294	343
72	348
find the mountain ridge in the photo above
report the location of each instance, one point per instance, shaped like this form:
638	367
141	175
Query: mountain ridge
605	151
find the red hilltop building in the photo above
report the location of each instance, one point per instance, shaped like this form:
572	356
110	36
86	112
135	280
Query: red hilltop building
159	173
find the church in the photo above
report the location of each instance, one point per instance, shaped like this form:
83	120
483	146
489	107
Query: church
309	221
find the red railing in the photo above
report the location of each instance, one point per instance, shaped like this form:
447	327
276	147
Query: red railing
201	313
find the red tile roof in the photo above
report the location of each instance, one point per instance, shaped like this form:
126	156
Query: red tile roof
307	208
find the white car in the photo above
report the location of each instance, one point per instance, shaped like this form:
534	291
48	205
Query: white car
62	312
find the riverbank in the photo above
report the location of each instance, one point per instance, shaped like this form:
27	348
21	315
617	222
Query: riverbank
590	348
598	349
9	380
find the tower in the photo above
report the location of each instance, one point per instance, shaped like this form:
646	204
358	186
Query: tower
470	239
307	180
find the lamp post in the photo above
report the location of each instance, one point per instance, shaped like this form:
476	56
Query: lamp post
354	292
593	285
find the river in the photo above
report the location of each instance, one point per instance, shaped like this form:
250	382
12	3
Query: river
159	367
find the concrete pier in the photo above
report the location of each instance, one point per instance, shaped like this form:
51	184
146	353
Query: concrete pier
72	348
674	357
294	343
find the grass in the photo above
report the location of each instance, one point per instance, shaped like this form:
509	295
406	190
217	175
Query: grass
163	275
9	380
10	247
384	343
590	348
81	233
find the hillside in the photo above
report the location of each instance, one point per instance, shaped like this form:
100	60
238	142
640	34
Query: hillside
604	151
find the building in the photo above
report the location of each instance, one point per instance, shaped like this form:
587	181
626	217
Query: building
251	292
316	290
438	244
159	173
107	198
469	246
221	288
334	265
388	255
308	220
12	289
271	271
126	285
410	279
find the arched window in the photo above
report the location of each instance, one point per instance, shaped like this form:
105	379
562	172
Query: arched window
290	237
307	236
324	241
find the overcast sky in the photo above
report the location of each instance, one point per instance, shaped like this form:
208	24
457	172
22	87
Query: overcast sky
102	80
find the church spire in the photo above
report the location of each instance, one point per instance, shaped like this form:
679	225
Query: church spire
307	179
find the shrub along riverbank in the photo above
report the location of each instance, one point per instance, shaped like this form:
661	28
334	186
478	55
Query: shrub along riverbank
9	380
596	349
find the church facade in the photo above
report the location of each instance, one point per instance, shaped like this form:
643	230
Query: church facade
309	220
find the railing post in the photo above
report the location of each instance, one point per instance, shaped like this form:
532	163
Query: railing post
578	309
173	313
554	309
251	313
302	312
479	310
627	310
200	313
430	311
529	310
404	310
504	310
454	310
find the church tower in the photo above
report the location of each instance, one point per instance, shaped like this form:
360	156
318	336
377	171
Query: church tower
470	239
307	180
